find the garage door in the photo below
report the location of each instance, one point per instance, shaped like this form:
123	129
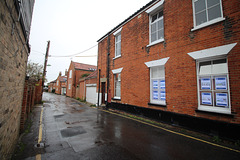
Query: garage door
91	94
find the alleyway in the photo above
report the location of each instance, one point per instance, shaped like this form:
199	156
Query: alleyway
73	131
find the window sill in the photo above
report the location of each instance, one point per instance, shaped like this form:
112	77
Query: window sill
116	57
158	105
156	42
215	110
208	23
116	98
215	113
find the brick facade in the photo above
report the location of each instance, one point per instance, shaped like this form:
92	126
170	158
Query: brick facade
61	84
78	70
14	50
180	69
81	87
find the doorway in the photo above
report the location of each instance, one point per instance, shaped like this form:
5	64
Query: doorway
103	92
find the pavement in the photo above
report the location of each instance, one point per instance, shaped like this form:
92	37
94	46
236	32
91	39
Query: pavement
64	128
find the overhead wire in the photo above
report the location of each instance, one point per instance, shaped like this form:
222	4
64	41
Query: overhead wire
75	55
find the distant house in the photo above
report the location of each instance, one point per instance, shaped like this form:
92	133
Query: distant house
61	83
75	72
86	88
52	86
177	61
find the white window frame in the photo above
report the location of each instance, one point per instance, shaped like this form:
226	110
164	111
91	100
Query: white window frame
57	83
160	64
213	107
69	86
158	7
150	29
210	54
70	74
207	23
117	72
116	34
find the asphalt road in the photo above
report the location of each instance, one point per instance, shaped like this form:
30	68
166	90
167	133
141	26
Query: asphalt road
74	131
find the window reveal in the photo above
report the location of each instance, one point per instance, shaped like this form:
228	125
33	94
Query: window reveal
213	83
156	25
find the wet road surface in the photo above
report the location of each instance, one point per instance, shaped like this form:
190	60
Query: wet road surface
73	131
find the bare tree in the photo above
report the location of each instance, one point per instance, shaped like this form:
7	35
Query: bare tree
34	71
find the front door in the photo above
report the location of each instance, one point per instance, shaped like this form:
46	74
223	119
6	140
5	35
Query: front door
103	92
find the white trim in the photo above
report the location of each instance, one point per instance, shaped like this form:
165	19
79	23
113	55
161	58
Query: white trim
155	42
212	52
91	85
116	71
159	62
116	57
208	23
215	109
155	7
117	98
118	31
205	24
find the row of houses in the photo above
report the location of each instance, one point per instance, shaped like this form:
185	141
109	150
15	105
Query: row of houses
79	82
175	61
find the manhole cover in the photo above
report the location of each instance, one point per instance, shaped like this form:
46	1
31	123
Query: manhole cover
70	132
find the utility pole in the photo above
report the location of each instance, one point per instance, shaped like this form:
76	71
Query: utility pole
45	65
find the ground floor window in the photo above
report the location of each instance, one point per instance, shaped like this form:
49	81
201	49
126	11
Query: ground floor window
157	85
117	83
213	85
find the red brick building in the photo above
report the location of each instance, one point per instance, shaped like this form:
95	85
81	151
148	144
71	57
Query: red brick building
61	84
52	86
176	61
75	72
86	88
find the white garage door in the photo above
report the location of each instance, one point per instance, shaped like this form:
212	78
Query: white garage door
91	94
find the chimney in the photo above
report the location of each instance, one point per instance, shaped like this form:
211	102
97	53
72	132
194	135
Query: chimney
60	73
66	72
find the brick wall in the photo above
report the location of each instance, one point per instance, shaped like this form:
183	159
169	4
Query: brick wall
13	61
180	70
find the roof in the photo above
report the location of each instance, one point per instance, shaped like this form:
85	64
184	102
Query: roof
62	78
126	20
92	75
83	66
53	81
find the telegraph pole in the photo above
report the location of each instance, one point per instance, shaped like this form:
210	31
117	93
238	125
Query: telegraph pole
45	65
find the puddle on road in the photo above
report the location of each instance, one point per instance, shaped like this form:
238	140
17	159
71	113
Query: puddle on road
70	132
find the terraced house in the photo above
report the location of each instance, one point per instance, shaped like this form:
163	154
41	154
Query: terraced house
176	61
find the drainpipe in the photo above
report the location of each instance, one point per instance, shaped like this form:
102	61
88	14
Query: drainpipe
108	55
99	76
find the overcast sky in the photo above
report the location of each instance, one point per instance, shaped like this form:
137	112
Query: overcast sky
73	26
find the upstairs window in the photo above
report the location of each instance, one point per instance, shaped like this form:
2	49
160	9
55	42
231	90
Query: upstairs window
207	12
118	45
70	74
156	27
118	39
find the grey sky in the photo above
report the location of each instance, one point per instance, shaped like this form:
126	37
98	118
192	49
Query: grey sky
73	26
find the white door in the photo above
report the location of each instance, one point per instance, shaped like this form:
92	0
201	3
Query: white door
91	94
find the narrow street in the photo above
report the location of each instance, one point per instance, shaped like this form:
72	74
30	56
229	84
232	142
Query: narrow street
72	130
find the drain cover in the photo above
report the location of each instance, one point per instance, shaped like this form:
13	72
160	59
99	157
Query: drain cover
39	145
70	132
